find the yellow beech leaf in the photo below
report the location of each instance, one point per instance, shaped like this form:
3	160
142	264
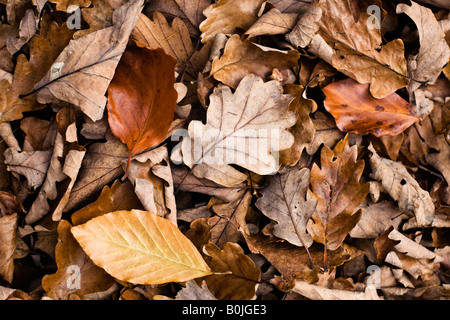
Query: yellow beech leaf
140	247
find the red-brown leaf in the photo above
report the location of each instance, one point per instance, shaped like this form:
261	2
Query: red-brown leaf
142	98
355	110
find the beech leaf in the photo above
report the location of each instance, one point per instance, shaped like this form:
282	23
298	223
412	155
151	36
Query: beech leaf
142	99
140	247
355	110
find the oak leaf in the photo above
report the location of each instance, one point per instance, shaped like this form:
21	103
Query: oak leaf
239	275
355	110
354	48
226	16
140	247
273	22
243	128
241	58
142	99
338	192
8	236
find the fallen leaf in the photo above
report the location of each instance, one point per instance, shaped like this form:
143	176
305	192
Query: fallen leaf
102	164
73	265
402	187
241	58
143	86
229	219
284	201
8	234
338	192
184	180
240	275
140	247
358	53
226	16
243	136
315	292
273	22
118	197
304	129
434	52
194	292
32	165
82	72
355	110
174	39
44	49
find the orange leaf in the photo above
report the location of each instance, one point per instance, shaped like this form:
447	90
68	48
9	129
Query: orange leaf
142	99
355	110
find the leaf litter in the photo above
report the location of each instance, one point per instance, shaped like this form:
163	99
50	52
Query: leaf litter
210	150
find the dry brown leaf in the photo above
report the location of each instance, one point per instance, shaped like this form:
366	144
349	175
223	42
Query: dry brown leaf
315	292
303	130
240	274
235	136
186	181
119	196
241	58
352	47
226	16
434	52
140	247
193	292
338	192
191	12
44	49
325	133
8	234
273	22
101	165
226	225
82	72
284	201
402	187
174	39
76	272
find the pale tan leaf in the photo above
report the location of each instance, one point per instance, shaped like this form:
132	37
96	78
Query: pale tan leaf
284	201
402	187
316	292
140	247
244	128
192	291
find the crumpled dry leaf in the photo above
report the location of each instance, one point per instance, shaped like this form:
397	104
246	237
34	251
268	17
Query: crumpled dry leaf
434	52
273	22
402	187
